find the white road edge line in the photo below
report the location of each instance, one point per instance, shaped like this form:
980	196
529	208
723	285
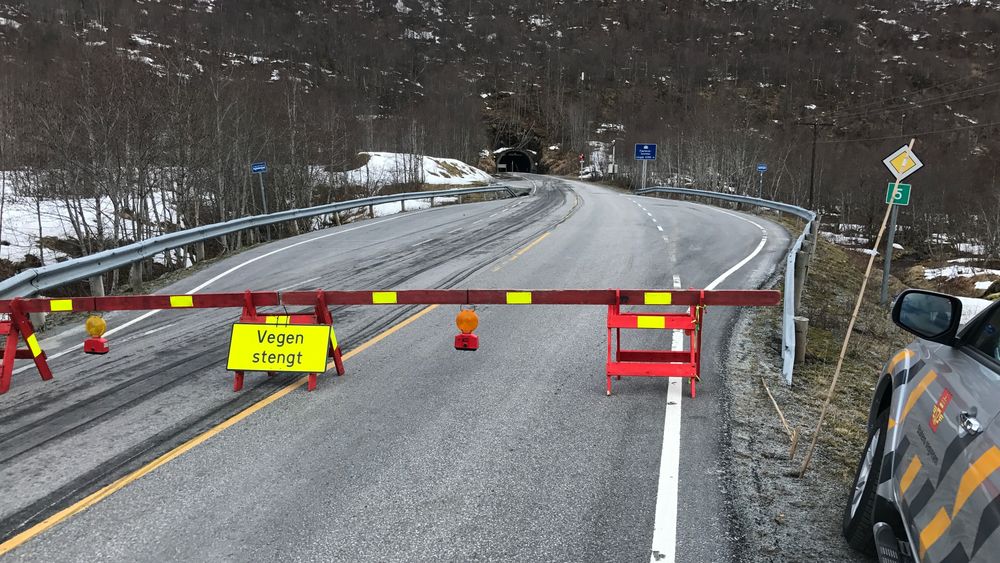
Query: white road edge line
218	277
664	548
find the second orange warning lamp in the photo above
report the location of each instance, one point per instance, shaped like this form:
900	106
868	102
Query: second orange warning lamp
467	321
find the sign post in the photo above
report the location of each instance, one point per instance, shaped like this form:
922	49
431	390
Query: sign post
761	168
895	196
901	163
259	168
645	152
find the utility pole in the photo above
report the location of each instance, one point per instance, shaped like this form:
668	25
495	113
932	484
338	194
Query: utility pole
812	170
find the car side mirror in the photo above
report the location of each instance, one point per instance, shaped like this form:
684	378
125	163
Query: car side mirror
932	316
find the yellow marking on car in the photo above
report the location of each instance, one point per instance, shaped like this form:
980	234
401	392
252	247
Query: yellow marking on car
909	475
110	489
904	354
892	423
933	531
917	392
974	476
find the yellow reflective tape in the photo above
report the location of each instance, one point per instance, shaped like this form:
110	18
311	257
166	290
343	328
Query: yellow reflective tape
974	476
892	423
383	297
333	338
910	474
57	305
658	298
36	350
181	301
276	319
519	298
933	531
651	322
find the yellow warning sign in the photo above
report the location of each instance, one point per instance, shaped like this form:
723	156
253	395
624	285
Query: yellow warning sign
902	163
269	347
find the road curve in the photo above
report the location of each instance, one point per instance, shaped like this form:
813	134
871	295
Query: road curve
420	452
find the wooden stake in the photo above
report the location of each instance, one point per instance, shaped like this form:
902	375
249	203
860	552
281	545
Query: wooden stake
793	434
850	327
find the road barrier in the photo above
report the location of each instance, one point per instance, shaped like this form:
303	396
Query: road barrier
273	347
656	363
793	282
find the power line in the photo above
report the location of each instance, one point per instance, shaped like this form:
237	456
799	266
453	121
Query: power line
904	94
923	134
943	99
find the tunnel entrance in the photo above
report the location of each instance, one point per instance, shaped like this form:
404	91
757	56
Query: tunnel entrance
515	161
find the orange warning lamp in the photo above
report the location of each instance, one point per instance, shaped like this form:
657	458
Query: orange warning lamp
95	326
467	321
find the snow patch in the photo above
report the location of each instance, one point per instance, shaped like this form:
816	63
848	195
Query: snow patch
956	271
387	168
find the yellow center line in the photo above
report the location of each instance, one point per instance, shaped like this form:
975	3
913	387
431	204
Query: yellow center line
522	251
533	243
110	489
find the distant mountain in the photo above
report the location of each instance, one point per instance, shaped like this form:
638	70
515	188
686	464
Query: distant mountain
720	84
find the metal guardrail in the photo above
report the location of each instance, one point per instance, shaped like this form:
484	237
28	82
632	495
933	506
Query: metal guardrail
788	315
34	280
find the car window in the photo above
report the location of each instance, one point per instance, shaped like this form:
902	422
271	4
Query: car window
985	337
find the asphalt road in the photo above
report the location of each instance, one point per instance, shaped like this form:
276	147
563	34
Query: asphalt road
420	452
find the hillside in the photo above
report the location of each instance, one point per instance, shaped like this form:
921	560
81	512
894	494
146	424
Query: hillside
103	91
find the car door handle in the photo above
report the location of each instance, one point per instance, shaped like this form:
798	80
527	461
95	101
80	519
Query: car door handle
969	423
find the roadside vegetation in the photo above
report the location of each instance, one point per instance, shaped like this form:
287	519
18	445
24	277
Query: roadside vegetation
799	518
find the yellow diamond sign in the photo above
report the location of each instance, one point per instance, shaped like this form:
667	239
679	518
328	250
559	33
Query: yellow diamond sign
902	163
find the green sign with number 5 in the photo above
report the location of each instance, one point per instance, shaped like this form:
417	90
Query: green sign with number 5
902	194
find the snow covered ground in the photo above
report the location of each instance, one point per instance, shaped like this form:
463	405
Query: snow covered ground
387	168
958	271
19	230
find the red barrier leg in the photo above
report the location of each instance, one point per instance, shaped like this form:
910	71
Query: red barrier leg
608	364
311	385
323	316
9	352
237	381
23	324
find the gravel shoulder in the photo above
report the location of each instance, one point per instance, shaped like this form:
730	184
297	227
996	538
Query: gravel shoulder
784	517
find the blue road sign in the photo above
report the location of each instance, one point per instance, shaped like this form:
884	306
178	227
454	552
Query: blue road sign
761	167
645	152
258	167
